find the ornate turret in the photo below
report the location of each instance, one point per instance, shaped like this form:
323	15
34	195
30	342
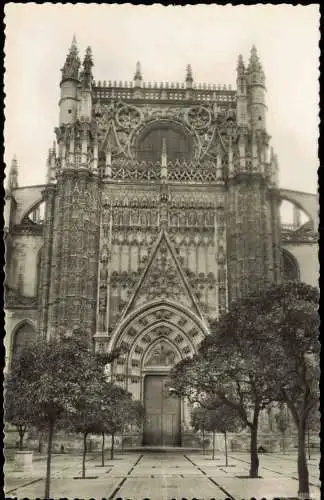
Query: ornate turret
86	74
73	185
252	208
241	102
86	78
69	86
72	63
256	92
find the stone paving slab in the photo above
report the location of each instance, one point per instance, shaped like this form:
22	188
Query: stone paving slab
259	488
163	476
71	488
166	488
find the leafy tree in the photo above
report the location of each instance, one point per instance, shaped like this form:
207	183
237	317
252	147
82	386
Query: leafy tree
52	375
225	369
16	405
86	416
287	327
216	416
117	413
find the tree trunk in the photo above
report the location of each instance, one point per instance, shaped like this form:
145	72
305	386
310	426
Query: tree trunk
203	437
84	454
226	452
303	480
103	450
308	444
122	443
40	444
213	445
254	468
112	446
21	432
283	442
49	457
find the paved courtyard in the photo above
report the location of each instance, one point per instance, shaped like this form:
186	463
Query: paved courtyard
162	476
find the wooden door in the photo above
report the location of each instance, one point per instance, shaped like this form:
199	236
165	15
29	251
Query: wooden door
162	413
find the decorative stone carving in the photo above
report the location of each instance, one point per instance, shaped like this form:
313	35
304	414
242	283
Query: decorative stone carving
161	355
198	117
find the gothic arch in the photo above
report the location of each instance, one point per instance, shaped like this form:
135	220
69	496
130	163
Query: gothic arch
157	307
290	266
25	329
306	202
151	348
169	332
32	207
154	123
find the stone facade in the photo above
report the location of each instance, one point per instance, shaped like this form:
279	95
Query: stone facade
161	206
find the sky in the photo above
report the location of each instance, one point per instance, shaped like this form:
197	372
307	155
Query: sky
164	40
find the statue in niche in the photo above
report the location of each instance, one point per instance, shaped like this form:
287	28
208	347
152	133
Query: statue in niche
161	355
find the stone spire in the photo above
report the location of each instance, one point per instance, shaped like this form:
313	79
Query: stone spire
13	175
254	69
86	74
254	62
138	75
240	65
189	78
72	63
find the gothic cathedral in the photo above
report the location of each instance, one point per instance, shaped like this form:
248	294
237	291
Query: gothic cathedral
161	207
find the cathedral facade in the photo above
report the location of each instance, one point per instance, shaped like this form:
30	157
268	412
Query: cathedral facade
161	207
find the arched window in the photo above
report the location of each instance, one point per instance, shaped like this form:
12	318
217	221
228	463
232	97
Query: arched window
290	268
178	143
23	336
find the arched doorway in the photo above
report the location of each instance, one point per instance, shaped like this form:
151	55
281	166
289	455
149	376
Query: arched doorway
162	425
23	335
155	337
290	268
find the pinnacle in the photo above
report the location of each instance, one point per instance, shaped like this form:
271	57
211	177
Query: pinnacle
254	61
74	45
189	73
13	174
14	163
240	62
138	73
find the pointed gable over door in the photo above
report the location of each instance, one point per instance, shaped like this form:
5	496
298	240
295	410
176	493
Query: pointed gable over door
163	278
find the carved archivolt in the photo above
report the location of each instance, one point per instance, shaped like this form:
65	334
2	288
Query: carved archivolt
161	354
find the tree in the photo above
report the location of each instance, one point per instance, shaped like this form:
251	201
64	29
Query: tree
114	409
87	416
215	416
199	419
225	368
16	405
117	413
313	425
287	326
52	375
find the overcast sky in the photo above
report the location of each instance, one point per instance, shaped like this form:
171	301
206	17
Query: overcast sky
164	40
